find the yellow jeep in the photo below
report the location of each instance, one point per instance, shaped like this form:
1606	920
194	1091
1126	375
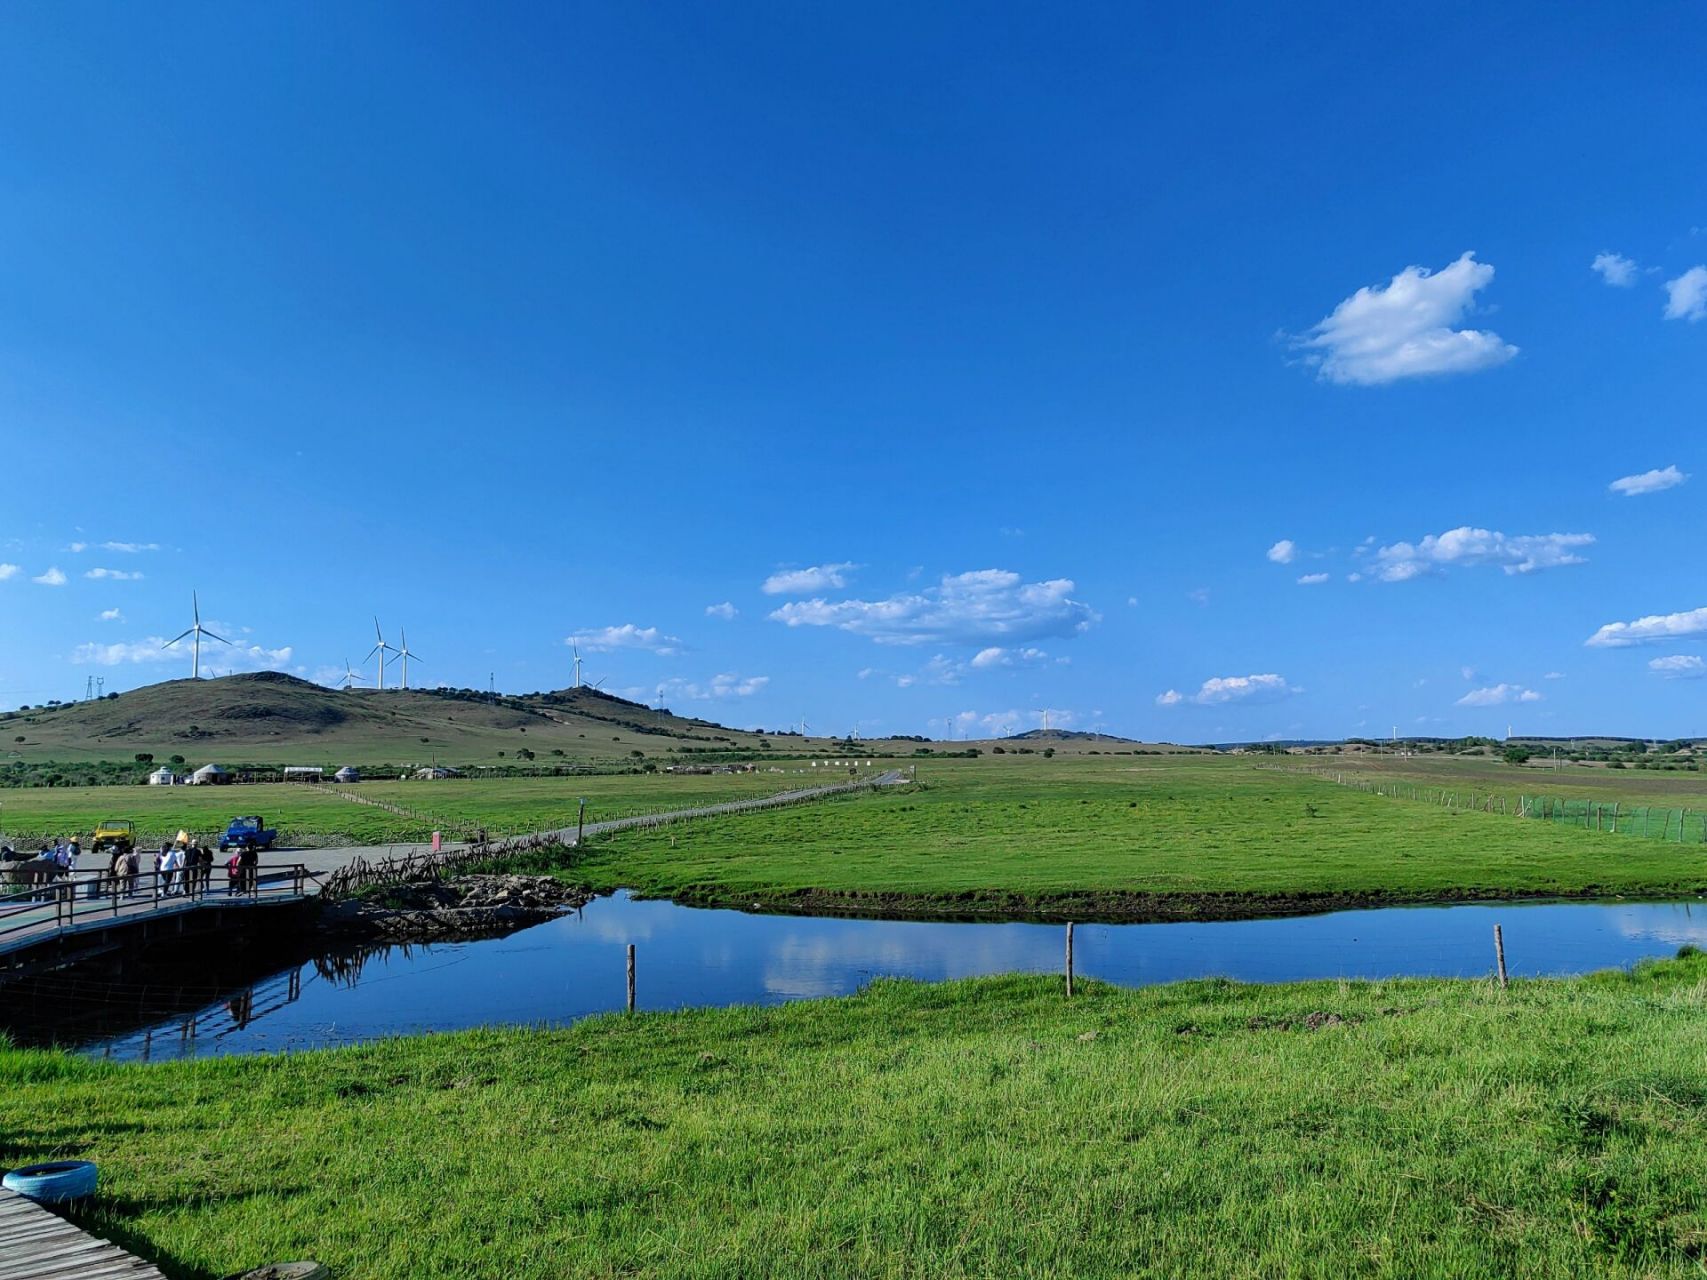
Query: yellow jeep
113	836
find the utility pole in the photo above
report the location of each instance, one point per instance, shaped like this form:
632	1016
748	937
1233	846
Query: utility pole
100	686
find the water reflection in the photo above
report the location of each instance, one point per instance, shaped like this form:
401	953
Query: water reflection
574	966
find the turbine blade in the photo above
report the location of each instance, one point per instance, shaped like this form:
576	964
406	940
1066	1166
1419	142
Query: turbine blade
174	640
221	639
196	607
371	652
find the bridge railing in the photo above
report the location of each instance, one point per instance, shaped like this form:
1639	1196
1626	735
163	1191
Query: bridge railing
33	902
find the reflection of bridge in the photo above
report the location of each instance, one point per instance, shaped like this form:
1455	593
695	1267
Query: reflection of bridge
80	914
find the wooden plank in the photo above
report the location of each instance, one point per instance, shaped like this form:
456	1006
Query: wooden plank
37	1244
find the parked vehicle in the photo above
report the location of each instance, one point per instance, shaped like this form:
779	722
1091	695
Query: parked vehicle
248	833
113	836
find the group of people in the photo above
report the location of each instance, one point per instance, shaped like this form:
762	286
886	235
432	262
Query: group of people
181	867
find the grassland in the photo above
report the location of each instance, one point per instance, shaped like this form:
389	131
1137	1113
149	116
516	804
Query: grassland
1678	788
986	1127
1156	838
308	814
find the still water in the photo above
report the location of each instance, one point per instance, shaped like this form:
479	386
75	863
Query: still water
574	966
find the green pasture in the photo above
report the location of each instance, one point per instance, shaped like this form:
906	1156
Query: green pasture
1158	836
977	1128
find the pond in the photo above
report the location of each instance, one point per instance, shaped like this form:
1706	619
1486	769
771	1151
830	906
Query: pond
575	966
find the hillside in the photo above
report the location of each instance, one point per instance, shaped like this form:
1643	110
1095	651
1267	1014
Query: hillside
271	718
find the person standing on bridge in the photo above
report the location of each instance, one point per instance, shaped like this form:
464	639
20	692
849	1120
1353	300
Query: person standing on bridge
132	869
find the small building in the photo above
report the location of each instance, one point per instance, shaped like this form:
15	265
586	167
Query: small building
163	777
349	773
303	773
434	773
209	775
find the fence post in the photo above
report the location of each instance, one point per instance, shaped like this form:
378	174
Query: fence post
1499	954
1069	960
631	977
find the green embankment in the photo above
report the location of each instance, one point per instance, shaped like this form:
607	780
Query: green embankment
1170	838
985	1127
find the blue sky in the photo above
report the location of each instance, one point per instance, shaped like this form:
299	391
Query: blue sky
896	369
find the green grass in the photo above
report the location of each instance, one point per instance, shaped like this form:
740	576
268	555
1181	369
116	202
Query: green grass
305	813
985	1127
1154	837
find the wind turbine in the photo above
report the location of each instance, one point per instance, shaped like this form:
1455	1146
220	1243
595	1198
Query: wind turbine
382	648
803	726
351	675
405	654
576	649
198	631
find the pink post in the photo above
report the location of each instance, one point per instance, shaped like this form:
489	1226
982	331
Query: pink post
435	842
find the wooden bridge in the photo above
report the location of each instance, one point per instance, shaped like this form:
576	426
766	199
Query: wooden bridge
77	913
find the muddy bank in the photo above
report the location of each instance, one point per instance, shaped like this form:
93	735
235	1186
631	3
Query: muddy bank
1117	907
474	906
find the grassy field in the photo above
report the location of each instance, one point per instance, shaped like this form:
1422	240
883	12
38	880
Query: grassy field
1678	788
1157	838
986	1127
307	813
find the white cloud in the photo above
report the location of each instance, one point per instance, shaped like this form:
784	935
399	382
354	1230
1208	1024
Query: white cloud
627	636
1283	552
241	657
1656	626
1615	269
1313	579
111	615
996	656
1469	673
1406	330
78	548
1354	577
8	571
1224	689
720	687
726	611
977	608
113	575
1498	695
1468	546
52	578
1199	596
1648	482
129	548
798	582
1131	602
1679	666
1554	675
1686	296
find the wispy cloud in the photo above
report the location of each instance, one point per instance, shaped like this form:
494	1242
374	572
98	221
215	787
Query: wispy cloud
1686	296
1679	666
54	577
1615	269
627	636
129	548
1313	579
1498	695
113	575
1466	546
818	577
239	657
111	615
996	656
726	611
1654	627
719	688
1648	482
9	571
1224	689
986	606
1406	330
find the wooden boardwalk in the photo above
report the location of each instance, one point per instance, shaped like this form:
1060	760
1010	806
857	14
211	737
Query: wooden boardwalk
38	1244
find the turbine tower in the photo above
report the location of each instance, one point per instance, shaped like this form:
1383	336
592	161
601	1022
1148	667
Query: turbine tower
382	648
197	631
576	650
405	654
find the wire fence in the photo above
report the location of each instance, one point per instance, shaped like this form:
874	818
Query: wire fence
1672	824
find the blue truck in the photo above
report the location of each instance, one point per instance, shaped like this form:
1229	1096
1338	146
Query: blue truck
248	833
